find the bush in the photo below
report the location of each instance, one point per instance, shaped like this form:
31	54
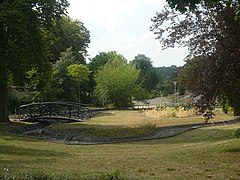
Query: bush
236	133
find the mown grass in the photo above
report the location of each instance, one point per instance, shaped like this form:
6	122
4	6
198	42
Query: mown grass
206	153
125	123
136	118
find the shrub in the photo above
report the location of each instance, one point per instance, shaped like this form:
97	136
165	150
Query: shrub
236	133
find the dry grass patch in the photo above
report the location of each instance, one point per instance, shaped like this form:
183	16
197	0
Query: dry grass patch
137	118
169	112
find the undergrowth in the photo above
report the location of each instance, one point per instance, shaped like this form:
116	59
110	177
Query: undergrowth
5	174
102	131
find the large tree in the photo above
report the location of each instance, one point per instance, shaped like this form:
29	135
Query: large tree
80	73
192	5
69	33
210	31
98	62
66	35
148	75
199	76
24	46
116	83
64	85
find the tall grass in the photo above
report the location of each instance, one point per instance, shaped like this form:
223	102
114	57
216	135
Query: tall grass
167	112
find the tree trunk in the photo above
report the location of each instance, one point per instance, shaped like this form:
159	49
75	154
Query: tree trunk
3	103
3	74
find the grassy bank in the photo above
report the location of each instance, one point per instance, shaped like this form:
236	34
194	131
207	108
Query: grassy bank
210	152
126	123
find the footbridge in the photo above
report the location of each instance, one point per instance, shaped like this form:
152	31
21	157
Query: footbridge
42	111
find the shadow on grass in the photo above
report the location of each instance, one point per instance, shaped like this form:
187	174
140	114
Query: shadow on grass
195	136
233	150
21	151
103	114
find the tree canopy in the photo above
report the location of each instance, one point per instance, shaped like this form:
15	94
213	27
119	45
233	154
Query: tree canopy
192	5
212	34
69	33
24	46
148	75
116	83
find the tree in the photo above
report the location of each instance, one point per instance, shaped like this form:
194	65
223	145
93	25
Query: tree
79	73
168	75
116	83
198	76
23	25
148	75
62	82
68	33
192	5
102	58
98	62
40	83
65	34
211	32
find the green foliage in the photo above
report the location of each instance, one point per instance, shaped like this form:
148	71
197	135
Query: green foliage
99	60
116	83
167	76
79	72
191	5
24	26
69	33
212	36
148	75
64	84
236	133
225	104
40	83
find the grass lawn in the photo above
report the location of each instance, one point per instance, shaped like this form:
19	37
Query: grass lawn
206	153
126	123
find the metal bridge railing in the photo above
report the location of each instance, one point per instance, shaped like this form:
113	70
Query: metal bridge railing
65	110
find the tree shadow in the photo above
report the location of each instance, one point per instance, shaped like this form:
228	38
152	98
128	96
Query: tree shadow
21	151
194	136
102	114
233	150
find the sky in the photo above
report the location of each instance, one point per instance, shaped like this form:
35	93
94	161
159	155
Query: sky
124	26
